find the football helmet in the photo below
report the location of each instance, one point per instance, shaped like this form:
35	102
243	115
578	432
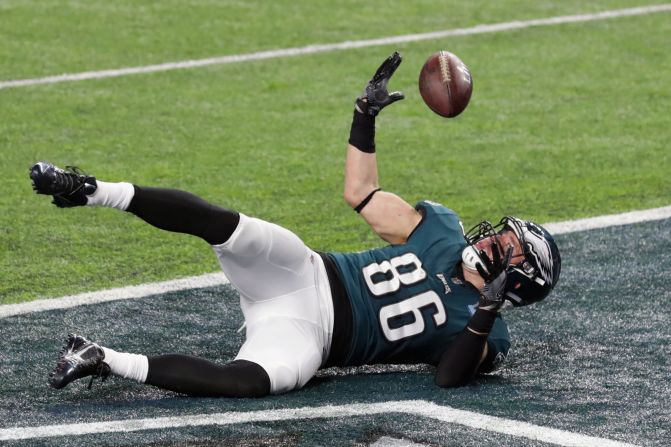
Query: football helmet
533	277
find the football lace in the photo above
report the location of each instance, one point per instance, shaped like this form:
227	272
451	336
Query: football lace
444	67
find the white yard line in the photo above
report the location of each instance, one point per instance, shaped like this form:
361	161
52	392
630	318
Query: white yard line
609	220
121	293
347	45
216	279
410	407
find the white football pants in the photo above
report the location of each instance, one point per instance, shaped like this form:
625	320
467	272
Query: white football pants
285	298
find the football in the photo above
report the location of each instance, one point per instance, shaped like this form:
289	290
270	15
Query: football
445	84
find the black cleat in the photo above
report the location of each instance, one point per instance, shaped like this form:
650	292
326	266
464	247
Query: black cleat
79	358
69	186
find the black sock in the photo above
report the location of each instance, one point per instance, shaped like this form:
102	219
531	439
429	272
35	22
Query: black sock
199	377
183	212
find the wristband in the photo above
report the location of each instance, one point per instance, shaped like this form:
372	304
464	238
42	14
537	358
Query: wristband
362	133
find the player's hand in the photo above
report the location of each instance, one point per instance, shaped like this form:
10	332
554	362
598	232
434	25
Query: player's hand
375	96
494	274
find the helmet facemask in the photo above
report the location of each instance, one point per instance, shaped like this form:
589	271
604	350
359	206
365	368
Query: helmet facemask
531	274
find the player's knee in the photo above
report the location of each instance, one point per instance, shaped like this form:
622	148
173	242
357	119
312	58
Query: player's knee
286	377
283	379
250	379
250	238
220	225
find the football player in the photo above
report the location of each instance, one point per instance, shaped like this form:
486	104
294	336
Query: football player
433	295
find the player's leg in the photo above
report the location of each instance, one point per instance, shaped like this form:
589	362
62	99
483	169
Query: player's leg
183	212
180	373
263	260
199	377
280	252
289	350
167	209
285	298
279	355
267	263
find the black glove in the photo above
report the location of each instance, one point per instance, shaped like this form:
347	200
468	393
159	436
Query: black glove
494	274
376	97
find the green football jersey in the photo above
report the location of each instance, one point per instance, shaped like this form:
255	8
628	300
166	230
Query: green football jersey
407	301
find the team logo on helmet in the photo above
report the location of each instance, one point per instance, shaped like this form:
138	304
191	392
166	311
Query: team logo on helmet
538	247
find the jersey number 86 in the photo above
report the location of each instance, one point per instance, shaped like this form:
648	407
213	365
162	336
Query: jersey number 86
387	277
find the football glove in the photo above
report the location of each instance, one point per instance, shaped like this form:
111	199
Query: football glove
375	96
494	274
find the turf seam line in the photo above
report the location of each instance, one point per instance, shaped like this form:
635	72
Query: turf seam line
218	278
412	407
347	45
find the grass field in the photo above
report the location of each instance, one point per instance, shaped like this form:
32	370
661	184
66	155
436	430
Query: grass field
565	121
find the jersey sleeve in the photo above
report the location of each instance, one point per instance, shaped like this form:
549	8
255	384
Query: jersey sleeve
438	222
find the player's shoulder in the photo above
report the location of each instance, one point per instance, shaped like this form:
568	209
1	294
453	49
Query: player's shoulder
437	211
429	206
437	219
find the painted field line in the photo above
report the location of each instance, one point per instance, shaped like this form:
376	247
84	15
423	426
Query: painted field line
410	407
610	220
347	45
217	279
121	293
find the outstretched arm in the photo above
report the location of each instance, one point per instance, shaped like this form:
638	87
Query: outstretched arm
391	217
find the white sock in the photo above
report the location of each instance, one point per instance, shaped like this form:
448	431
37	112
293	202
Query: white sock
112	195
128	366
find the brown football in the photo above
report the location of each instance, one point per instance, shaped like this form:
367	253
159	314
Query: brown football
445	84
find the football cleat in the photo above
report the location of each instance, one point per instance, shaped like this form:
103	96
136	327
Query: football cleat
79	358
69	187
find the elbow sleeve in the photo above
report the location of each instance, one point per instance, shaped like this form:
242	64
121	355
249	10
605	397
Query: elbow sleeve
460	361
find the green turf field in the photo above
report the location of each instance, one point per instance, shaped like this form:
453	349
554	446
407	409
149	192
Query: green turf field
592	360
565	121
